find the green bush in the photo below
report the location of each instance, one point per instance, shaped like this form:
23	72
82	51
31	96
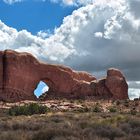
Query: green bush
126	103
82	110
97	108
112	109
133	111
29	109
118	102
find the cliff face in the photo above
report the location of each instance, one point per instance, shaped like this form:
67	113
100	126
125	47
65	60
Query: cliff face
20	74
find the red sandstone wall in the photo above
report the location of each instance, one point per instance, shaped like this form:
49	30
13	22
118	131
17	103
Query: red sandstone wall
21	72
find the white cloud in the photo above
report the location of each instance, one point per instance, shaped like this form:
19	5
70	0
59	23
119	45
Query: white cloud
10	38
64	2
98	34
134	89
67	2
134	93
80	2
44	34
12	1
134	84
45	89
73	2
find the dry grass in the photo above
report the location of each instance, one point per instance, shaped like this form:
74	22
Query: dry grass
79	123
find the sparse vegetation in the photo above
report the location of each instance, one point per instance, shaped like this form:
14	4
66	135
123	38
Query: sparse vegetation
112	109
86	122
126	103
70	126
97	108
133	111
28	109
118	102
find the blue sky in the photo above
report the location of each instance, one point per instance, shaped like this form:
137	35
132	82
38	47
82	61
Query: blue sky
34	15
77	33
41	88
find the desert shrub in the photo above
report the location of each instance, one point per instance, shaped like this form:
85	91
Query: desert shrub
136	131
136	103
133	111
112	109
83	124
134	123
136	99
113	101
125	127
56	119
132	137
126	103
71	101
14	135
80	101
82	110
132	127
109	132
43	96
66	138
88	131
18	110
26	126
97	108
43	109
4	125
29	109
49	134
118	102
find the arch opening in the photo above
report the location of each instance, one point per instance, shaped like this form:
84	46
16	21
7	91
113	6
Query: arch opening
42	87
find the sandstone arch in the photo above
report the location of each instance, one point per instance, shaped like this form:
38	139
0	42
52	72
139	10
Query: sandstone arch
21	72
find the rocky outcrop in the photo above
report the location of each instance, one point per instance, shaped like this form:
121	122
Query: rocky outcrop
20	74
113	86
116	84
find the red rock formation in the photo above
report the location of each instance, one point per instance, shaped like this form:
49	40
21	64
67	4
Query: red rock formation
113	86
20	74
116	84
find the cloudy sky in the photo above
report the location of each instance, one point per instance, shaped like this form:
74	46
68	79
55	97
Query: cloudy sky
89	35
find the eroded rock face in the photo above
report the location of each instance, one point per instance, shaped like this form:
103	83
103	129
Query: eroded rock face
20	74
116	84
113	86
